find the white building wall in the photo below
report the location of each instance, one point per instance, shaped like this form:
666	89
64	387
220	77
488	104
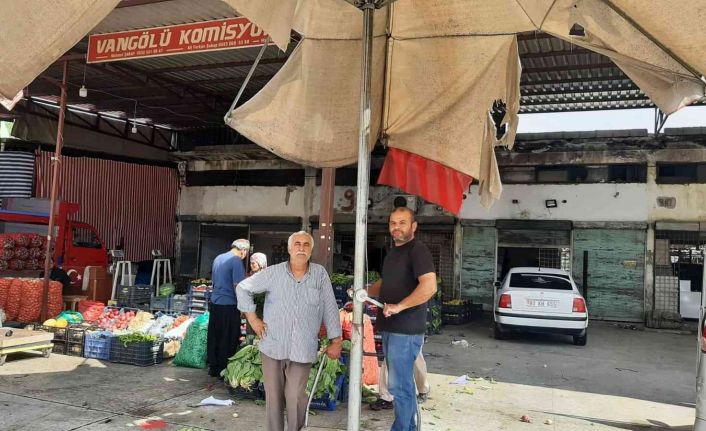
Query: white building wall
584	202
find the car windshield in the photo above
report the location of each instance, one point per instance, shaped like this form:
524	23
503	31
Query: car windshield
540	281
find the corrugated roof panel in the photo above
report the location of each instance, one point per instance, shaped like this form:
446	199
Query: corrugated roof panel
163	14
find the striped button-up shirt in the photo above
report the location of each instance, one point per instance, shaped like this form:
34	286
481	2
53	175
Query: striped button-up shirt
294	310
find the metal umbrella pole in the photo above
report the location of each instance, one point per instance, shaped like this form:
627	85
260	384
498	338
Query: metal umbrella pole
361	217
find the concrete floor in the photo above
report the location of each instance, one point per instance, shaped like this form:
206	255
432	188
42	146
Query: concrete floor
624	379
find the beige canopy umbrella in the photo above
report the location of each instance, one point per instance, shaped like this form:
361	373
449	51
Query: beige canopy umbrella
35	33
429	73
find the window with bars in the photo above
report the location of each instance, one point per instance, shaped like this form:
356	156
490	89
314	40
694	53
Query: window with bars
679	260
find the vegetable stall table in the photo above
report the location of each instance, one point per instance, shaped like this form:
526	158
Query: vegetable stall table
14	340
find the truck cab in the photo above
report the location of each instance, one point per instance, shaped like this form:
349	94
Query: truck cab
77	244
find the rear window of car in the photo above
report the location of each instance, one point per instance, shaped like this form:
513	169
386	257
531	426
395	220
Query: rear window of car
540	281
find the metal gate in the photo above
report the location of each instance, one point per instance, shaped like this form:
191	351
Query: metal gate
678	267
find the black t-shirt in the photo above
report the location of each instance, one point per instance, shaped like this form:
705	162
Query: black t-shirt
400	276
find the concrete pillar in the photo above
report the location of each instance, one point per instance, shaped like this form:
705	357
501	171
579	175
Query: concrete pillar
650	244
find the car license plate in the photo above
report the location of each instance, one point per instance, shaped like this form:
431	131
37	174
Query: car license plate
542	303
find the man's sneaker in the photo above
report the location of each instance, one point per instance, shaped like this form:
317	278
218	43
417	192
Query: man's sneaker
422	398
381	404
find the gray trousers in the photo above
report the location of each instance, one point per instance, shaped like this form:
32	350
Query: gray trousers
285	384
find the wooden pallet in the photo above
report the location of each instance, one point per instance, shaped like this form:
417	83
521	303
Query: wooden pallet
14	340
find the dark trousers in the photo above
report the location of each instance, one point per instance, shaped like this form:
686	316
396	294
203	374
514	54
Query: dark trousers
223	336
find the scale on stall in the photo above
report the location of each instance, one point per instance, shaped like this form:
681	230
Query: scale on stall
121	270
161	271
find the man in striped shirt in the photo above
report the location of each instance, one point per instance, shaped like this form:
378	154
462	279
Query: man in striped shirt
299	299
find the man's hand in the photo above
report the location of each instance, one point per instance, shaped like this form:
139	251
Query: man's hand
258	326
334	349
392	309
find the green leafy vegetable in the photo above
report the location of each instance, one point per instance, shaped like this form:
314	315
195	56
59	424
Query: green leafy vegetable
327	381
244	369
136	337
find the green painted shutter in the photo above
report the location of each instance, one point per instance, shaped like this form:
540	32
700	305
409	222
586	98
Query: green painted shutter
615	271
478	265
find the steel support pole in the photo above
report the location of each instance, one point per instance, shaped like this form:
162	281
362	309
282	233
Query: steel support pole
361	217
56	167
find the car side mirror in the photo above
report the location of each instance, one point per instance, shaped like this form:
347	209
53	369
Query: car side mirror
497	284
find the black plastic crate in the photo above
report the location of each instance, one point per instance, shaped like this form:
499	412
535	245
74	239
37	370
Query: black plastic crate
159	303
60	334
76	333
130	296
74	349
455	319
464	308
59	347
179	305
142	353
256	392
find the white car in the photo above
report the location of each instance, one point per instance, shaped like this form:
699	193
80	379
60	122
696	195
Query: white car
540	300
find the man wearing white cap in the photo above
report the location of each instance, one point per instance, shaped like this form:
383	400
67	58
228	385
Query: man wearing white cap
224	319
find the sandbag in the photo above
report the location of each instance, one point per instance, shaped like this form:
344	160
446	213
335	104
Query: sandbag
21	253
56	300
14	298
36	240
90	310
31	301
6	241
16	265
192	352
20	239
4	290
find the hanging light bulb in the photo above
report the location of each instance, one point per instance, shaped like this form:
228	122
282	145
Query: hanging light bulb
134	116
83	91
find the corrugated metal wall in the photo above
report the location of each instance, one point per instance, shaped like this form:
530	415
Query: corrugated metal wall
478	264
122	200
616	271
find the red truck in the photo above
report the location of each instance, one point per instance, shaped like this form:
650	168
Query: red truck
77	244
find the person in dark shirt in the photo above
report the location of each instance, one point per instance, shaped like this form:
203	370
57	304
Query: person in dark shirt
224	320
408	281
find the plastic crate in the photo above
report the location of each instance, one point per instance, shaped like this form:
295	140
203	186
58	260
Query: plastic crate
60	334
256	392
179	304
456	308
59	347
97	345
329	401
142	354
76	333
74	349
455	319
159	303
130	296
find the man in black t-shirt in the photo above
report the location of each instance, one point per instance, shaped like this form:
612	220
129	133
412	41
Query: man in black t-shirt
408	281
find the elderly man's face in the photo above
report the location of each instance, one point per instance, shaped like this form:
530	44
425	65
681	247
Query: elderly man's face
300	249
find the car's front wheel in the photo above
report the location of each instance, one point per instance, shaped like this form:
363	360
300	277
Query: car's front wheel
498	332
580	340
